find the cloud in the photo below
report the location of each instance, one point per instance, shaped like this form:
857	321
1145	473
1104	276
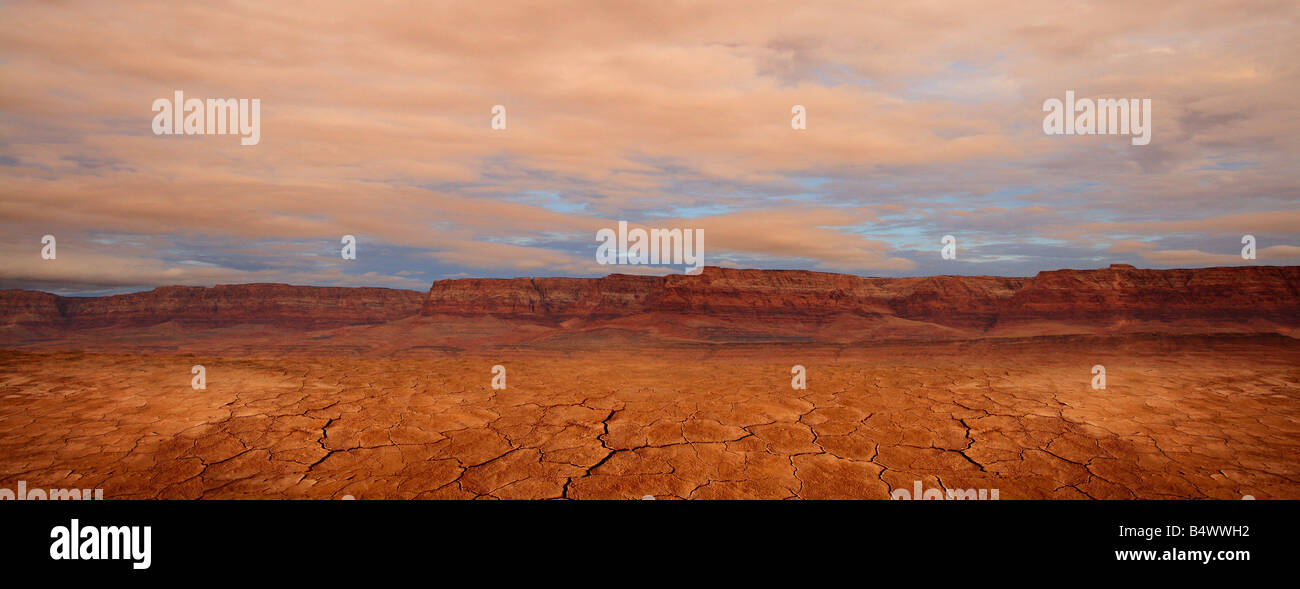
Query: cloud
923	119
1124	246
1278	253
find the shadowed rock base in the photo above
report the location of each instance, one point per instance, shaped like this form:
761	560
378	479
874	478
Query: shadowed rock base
1180	418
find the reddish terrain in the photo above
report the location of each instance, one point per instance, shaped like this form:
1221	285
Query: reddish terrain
300	307
1091	299
720	306
675	386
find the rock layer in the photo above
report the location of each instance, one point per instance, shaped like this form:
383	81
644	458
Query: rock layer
281	305
718	306
1215	296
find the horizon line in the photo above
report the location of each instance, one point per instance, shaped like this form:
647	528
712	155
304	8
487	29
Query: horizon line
1115	266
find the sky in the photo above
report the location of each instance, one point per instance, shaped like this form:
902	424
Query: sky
923	119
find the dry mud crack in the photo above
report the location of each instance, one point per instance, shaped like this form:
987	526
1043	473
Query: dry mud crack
620	426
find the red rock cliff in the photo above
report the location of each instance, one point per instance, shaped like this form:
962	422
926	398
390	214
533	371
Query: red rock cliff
1118	293
222	305
1244	299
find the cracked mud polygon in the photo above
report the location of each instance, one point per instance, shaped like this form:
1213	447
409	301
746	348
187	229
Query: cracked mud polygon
1174	423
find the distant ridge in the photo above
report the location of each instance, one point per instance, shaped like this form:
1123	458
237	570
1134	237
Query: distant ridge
720	306
307	307
1223	296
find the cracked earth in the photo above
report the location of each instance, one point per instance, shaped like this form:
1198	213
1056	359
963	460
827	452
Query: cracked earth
623	425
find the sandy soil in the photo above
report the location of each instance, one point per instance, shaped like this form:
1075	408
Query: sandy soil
1191	420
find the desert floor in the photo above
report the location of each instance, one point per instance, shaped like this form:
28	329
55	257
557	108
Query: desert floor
1176	420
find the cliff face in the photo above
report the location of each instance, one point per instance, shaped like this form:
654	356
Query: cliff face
1270	293
223	305
720	292
1118	293
542	298
725	304
21	307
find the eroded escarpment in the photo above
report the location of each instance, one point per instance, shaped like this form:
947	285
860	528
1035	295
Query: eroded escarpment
280	305
1255	297
718	307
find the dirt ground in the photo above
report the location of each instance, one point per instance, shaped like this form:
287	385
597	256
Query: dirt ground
1188	422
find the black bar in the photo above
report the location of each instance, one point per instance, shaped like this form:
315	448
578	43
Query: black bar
725	540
